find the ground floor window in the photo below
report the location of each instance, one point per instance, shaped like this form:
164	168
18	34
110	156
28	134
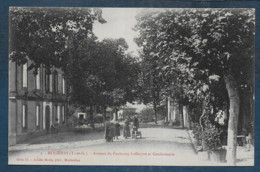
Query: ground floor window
37	114
37	78
25	75
63	114
24	117
58	114
63	85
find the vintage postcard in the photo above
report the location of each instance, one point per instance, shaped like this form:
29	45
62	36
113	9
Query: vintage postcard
131	86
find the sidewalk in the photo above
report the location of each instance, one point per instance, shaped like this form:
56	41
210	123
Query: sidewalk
244	157
60	141
55	146
159	125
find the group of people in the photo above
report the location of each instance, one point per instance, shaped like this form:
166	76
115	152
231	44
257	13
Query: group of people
112	131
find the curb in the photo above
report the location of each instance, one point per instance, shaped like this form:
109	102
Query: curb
192	140
54	145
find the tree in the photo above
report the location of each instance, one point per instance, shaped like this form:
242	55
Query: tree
147	114
119	73
41	34
150	80
98	73
101	73
212	45
150	84
51	37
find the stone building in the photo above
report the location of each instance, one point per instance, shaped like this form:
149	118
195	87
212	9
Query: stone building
35	101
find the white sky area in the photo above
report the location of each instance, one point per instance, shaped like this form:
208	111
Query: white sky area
138	107
120	24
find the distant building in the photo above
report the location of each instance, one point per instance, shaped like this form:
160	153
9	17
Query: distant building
109	113
35	101
177	113
173	110
127	111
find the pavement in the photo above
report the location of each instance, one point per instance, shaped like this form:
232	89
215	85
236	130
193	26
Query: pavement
76	140
245	156
158	147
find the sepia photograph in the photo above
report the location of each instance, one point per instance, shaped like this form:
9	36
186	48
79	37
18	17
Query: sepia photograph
131	86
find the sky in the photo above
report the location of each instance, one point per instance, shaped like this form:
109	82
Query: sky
120	22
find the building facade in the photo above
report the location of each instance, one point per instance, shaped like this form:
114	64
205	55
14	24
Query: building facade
36	100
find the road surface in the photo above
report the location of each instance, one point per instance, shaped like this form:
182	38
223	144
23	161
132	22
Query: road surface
158	146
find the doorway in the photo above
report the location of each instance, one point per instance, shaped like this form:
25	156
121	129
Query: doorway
47	119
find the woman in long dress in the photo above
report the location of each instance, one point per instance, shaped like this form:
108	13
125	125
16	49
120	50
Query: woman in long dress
108	130
112	132
117	130
127	128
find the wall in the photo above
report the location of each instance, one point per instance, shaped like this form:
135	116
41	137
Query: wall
30	96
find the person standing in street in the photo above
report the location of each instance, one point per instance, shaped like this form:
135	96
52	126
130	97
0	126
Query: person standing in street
117	130
112	132
107	125
135	124
127	128
54	127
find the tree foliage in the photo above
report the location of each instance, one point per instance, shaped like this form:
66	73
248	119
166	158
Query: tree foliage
40	34
99	73
194	47
103	74
202	52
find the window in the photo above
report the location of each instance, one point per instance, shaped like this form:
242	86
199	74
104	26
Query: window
47	82
50	83
37	77
56	82
81	117
63	85
37	113
58	114
24	117
25	75
63	114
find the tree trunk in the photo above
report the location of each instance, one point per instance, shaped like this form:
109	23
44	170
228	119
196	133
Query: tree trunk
185	117
104	113
91	117
233	118
203	143
252	112
181	115
116	112
168	106
155	112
